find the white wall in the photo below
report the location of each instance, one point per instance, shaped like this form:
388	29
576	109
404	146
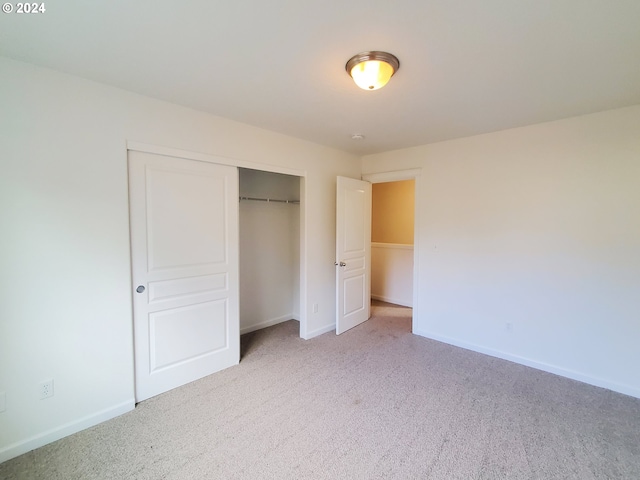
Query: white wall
536	227
65	296
392	273
269	250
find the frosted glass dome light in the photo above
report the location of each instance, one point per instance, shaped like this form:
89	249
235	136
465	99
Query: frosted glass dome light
372	70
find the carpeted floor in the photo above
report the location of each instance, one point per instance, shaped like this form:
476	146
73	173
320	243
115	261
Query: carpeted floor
375	402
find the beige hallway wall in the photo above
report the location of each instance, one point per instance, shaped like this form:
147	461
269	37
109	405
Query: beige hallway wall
392	212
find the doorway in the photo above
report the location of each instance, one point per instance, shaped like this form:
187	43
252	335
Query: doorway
392	225
395	232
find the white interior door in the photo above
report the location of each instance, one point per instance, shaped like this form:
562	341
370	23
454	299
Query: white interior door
353	253
184	250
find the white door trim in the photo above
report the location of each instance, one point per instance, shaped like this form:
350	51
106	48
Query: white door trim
396	176
205	157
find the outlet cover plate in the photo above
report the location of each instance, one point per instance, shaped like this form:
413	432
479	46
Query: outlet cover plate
46	389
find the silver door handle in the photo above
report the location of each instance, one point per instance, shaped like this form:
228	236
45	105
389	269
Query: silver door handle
341	264
140	289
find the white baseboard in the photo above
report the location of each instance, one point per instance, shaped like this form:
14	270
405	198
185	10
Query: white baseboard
44	438
267	323
397	301
320	331
545	367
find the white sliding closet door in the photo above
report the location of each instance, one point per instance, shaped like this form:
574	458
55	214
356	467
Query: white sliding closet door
184	249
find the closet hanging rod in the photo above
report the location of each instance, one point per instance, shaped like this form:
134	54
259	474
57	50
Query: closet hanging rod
270	200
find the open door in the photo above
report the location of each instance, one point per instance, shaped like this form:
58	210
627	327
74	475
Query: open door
184	253
353	253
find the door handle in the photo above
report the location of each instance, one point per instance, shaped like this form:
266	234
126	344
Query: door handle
341	264
140	289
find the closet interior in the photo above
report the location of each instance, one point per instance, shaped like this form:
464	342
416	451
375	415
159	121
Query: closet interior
269	228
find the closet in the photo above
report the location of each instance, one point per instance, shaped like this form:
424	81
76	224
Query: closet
269	229
215	252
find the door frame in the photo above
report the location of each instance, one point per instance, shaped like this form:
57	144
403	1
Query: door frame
302	174
396	176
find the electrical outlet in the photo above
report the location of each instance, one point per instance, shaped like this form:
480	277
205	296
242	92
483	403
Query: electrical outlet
3	402
46	389
315	308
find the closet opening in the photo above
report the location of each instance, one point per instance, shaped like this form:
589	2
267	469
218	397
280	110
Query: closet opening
392	255
269	253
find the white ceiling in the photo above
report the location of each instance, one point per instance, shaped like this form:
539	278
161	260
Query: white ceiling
466	66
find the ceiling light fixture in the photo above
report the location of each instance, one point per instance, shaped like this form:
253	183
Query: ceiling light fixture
372	70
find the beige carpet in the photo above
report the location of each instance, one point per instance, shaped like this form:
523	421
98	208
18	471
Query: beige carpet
375	402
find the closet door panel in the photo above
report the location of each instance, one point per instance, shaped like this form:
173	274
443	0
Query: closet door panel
184	248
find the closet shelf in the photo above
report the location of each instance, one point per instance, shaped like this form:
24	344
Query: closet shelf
270	200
